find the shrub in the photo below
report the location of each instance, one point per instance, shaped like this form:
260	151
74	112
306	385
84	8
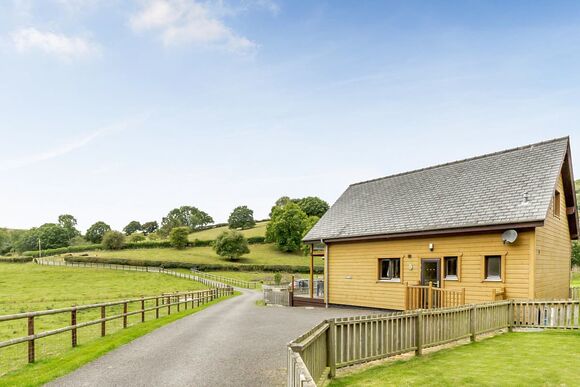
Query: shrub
256	240
277	278
201	243
78	241
137	237
62	250
231	245
113	240
178	237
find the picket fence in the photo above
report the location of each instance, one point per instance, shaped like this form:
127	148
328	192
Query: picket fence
340	342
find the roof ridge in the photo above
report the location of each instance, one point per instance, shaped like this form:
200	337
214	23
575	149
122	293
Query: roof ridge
463	160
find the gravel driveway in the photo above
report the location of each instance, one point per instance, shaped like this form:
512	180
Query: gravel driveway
233	343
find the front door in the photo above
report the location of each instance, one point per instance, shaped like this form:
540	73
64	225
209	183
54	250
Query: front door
430	269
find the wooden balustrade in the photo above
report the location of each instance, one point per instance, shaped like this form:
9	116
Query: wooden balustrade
428	297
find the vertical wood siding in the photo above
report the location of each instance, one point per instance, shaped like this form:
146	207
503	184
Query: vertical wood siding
353	267
553	249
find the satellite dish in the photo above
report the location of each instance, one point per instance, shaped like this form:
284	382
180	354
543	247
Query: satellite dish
509	236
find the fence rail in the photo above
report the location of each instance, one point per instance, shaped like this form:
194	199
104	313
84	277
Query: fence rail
163	301
575	293
148	269
276	295
428	296
227	280
340	342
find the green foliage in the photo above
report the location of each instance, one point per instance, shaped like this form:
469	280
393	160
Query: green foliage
78	241
575	253
185	216
313	206
178	237
231	245
113	240
286	227
51	236
137	237
96	232
132	227
199	266
62	250
150	227
277	278
69	222
241	217
310	222
256	240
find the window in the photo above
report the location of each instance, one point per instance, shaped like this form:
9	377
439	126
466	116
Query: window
390	269
557	203
493	267
450	267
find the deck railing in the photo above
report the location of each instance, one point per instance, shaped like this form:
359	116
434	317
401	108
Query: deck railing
103	313
428	296
340	342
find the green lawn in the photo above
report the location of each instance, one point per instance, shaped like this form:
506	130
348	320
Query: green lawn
576	279
260	254
29	287
212	234
548	358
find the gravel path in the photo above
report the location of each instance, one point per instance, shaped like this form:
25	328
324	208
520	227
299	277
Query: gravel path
233	343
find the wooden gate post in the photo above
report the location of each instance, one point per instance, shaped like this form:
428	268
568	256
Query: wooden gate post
330	348
419	333
472	317
73	323
31	342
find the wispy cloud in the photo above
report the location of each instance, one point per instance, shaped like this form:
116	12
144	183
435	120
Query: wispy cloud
67	147
188	22
59	45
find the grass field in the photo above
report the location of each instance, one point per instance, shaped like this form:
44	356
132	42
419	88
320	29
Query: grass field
29	287
260	254
576	279
212	234
258	276
546	358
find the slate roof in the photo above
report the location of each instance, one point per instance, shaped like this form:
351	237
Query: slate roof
480	191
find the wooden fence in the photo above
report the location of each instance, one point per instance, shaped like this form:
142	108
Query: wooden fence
575	293
277	295
427	297
177	301
340	342
227	280
148	269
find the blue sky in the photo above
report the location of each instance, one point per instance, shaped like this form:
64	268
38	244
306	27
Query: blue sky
119	110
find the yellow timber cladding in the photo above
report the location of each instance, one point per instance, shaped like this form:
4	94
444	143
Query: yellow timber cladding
353	277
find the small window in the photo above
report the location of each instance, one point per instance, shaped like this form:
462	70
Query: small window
450	267
493	267
390	269
557	203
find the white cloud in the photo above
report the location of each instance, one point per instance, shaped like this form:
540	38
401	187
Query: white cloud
187	22
60	45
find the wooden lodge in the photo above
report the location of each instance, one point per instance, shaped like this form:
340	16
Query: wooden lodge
491	227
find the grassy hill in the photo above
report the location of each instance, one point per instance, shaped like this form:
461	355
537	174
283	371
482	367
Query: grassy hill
212	234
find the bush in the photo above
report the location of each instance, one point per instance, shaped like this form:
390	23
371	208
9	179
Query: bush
78	241
113	240
201	243
256	240
137	237
178	237
62	250
231	245
16	260
277	278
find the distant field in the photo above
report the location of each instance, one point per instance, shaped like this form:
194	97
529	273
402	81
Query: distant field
258	276
211	234
29	287
260	254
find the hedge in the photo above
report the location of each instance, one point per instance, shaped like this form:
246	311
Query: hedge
198	266
62	250
256	240
16	259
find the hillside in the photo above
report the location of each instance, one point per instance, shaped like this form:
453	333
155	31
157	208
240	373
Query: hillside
212	234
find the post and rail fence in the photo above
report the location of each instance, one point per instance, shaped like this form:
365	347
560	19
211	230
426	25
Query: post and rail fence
144	306
227	280
314	357
148	269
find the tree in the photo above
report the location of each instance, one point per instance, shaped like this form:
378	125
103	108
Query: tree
313	206
113	240
310	222
132	227
51	236
231	244
149	227
178	237
241	217
69	222
575	253
286	227
96	232
185	216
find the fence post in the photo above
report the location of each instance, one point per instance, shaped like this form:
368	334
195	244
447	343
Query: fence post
156	307
103	323
472	317
125	315
511	316
168	305
31	342
419	333
142	309
430	296
73	322
178	304
330	350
